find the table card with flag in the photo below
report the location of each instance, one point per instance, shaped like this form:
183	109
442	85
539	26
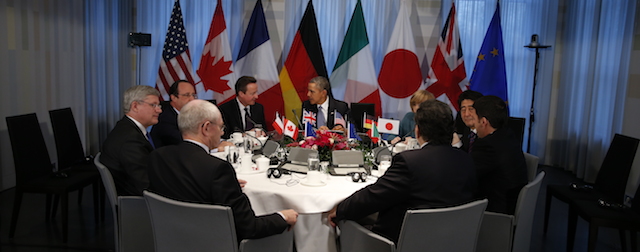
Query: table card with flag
338	119
388	126
308	116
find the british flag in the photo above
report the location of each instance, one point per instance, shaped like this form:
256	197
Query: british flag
308	116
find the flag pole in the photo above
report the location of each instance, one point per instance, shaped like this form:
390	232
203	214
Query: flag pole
535	45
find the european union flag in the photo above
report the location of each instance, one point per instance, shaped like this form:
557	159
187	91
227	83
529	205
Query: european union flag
308	130
489	75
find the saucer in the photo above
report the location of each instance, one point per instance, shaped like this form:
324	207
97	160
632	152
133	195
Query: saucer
304	183
250	172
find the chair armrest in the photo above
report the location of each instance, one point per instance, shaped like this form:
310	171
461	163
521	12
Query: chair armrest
277	243
496	232
354	237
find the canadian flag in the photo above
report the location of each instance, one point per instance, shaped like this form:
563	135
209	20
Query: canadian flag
278	124
290	129
388	126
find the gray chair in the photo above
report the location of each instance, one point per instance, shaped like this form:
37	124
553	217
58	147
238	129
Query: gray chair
503	232
532	165
183	226
131	222
441	229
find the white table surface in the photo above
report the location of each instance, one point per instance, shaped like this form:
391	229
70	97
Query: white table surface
312	231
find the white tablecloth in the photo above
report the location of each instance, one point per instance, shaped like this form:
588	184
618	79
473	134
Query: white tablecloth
312	232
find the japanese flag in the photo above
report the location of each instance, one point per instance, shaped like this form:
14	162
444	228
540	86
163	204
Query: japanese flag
388	126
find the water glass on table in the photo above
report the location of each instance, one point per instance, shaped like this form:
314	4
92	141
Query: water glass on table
314	175
385	163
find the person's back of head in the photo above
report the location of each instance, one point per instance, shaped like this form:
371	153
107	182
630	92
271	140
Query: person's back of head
435	122
493	109
194	114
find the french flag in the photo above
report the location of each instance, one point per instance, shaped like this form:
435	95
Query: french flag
256	59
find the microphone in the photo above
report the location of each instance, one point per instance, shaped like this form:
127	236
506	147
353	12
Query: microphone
255	124
297	117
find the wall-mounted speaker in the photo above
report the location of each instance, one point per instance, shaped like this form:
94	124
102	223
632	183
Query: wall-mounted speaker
139	39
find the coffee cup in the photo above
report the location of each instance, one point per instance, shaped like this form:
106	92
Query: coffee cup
246	164
263	163
400	147
236	137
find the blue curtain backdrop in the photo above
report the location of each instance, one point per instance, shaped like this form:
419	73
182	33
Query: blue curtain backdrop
584	80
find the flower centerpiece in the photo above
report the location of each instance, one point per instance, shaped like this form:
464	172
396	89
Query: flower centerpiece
325	142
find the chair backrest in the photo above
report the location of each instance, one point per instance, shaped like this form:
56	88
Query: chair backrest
525	211
442	229
614	172
275	243
136	230
516	124
356	238
112	195
68	144
532	165
182	226
30	154
107	181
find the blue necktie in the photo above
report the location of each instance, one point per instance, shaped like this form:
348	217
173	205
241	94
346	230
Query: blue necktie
320	120
472	138
150	140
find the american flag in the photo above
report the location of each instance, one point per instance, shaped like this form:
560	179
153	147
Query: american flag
176	61
339	119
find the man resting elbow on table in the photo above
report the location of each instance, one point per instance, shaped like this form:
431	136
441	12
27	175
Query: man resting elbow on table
436	175
187	172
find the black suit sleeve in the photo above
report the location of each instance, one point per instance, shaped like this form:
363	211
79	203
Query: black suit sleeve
390	190
225	184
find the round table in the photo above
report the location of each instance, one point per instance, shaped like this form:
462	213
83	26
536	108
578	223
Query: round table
312	231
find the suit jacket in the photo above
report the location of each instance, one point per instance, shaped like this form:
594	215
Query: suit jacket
186	172
125	152
334	105
432	177
501	168
166	132
233	118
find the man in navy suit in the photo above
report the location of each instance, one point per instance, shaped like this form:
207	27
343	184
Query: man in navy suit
126	150
187	172
321	103
243	113
497	154
166	132
436	175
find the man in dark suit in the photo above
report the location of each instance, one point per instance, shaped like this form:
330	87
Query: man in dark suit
187	172
468	117
166	132
243	113
126	150
498	157
436	175
323	105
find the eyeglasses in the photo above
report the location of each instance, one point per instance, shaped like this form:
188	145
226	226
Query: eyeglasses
222	126
194	95
153	105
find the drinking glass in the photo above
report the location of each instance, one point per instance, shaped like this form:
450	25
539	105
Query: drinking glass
385	163
314	174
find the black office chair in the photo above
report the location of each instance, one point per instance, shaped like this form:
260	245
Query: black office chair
610	183
69	148
516	124
34	173
604	214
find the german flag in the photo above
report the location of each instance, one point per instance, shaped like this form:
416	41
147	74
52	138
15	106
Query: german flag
305	61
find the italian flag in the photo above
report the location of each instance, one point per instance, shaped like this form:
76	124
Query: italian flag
354	73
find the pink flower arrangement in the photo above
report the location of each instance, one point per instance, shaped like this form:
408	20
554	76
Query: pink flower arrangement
324	142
